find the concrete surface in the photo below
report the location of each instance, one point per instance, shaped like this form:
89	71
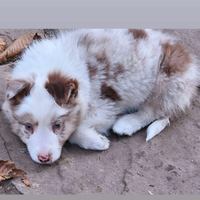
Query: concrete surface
167	164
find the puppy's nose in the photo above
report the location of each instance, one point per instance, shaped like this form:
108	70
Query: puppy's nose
43	158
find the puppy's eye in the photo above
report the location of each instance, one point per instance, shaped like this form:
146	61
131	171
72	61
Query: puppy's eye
29	127
55	127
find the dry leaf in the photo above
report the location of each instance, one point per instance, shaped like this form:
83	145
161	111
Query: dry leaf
19	172
7	171
2	45
26	182
1	178
18	46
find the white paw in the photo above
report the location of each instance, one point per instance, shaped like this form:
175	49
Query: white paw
126	125
97	142
102	143
90	139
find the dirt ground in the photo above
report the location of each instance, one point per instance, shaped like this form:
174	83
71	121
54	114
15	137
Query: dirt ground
167	164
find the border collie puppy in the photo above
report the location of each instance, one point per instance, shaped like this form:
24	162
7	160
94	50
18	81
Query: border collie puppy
84	82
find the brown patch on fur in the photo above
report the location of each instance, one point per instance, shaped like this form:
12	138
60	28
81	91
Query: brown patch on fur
175	59
72	119
20	89
18	126
119	69
92	70
25	118
103	59
109	92
86	41
61	88
138	33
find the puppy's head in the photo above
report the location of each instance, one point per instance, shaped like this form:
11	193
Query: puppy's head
43	113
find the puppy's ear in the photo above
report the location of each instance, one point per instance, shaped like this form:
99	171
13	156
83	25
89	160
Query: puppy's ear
63	89
17	89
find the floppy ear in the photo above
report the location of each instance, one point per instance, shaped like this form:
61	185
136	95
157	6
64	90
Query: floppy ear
17	89
61	88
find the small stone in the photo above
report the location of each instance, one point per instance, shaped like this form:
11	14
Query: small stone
150	192
151	185
99	189
126	189
170	168
139	174
197	124
35	185
25	150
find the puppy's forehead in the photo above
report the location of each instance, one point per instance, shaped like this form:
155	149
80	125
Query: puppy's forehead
41	105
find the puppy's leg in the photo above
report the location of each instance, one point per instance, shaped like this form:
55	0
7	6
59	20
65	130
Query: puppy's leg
130	123
88	138
156	127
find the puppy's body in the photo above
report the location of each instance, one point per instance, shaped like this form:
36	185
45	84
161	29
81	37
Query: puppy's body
86	81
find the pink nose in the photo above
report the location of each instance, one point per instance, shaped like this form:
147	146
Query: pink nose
44	159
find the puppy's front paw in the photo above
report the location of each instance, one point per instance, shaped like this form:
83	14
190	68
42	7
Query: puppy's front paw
96	142
126	125
102	143
90	139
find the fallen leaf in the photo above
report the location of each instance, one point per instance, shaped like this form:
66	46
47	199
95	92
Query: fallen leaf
18	46
7	171
2	162
26	182
19	172
1	178
2	45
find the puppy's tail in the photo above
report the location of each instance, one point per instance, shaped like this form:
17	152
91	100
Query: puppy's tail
156	127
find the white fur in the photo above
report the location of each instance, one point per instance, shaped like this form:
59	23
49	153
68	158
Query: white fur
156	127
130	66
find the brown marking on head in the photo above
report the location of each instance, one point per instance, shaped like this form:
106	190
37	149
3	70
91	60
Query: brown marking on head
17	89
25	118
138	33
92	69
16	128
66	122
109	92
20	131
175	59
19	123
61	88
